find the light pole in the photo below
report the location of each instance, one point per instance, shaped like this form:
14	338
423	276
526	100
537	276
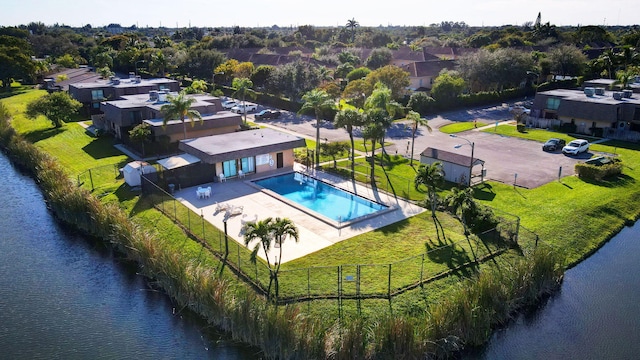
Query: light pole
136	65
472	144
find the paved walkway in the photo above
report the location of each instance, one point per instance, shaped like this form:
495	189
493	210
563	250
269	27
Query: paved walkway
314	233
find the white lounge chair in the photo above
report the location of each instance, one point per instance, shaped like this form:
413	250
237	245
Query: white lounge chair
222	178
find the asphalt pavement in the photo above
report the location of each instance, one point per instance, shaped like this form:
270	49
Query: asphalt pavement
508	160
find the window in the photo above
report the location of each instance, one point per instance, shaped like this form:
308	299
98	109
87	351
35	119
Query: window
553	103
229	168
135	116
247	165
97	95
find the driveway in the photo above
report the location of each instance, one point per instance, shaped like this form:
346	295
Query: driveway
504	156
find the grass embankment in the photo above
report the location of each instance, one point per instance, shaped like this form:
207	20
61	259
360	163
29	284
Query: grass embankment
230	305
575	216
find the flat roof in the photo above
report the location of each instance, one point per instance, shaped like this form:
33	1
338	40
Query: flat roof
139	100
224	147
124	83
450	157
579	95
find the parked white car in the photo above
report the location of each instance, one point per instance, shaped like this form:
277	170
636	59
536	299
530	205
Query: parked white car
246	108
229	104
576	147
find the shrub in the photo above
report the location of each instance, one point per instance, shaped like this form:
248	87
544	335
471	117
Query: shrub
521	128
598	173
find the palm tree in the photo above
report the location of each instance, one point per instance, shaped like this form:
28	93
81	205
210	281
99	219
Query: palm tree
431	176
352	25
316	100
267	231
180	107
417	121
381	98
624	77
282	228
141	134
243	88
348	119
262	231
374	131
461	201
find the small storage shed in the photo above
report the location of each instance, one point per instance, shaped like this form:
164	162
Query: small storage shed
134	169
457	167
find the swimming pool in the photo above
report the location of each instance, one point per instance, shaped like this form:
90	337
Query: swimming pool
333	203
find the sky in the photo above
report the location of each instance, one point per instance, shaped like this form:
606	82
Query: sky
284	13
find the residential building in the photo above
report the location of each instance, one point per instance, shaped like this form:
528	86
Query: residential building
124	114
593	111
92	93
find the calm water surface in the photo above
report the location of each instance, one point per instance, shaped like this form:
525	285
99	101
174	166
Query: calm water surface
596	314
63	296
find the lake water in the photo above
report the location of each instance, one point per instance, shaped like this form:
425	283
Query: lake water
596	314
63	296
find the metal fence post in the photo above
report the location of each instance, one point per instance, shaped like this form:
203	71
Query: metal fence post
91	180
389	283
309	282
422	270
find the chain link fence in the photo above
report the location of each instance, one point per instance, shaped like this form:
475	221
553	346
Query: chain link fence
100	177
347	281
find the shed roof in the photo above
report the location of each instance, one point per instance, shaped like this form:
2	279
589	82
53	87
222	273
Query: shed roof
450	157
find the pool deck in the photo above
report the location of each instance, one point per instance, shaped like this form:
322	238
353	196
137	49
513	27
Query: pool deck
314	234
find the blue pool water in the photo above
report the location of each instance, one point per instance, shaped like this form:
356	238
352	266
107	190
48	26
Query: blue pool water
331	202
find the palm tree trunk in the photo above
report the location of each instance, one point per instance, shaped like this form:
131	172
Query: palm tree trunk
413	141
317	140
353	155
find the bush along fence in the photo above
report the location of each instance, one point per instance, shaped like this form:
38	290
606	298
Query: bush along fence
347	281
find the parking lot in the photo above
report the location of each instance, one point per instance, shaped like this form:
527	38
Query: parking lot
504	156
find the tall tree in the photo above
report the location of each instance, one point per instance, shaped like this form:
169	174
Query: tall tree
15	60
348	119
282	228
242	88
58	107
416	121
316	100
179	107
374	131
382	98
352	25
140	133
261	231
270	232
431	176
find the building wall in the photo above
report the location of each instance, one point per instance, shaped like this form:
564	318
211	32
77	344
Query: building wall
452	172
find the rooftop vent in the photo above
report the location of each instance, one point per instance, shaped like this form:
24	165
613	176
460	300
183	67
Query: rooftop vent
599	91
138	79
589	91
115	81
132	76
617	95
627	93
153	95
162	96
